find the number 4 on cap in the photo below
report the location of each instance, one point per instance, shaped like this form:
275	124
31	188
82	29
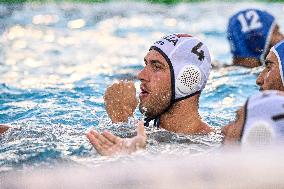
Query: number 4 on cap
199	53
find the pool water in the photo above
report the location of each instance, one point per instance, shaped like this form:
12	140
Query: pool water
57	59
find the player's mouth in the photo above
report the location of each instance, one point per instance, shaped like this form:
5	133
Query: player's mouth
144	92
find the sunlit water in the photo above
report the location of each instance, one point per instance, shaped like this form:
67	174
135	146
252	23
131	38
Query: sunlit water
57	59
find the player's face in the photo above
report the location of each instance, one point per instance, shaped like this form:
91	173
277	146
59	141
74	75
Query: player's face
269	78
155	85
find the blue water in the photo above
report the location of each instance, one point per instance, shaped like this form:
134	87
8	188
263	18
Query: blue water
57	59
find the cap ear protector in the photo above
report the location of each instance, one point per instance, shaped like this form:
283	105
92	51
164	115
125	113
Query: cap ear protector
260	133
264	119
188	80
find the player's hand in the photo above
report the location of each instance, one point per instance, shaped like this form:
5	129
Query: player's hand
120	101
108	144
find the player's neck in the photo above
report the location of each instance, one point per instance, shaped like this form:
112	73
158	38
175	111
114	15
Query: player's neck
183	117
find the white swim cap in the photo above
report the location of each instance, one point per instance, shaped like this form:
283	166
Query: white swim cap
189	61
264	118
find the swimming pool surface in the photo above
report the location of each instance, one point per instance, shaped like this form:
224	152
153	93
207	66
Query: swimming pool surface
57	59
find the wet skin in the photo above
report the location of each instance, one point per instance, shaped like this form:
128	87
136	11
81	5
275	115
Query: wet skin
269	78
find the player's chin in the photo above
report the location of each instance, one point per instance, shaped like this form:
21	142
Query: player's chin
142	107
146	109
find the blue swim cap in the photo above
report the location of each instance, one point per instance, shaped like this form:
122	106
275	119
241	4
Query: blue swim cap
278	50
249	33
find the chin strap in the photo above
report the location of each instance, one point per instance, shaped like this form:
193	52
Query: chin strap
156	121
157	118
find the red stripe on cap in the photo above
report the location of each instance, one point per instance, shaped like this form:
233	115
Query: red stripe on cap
183	35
